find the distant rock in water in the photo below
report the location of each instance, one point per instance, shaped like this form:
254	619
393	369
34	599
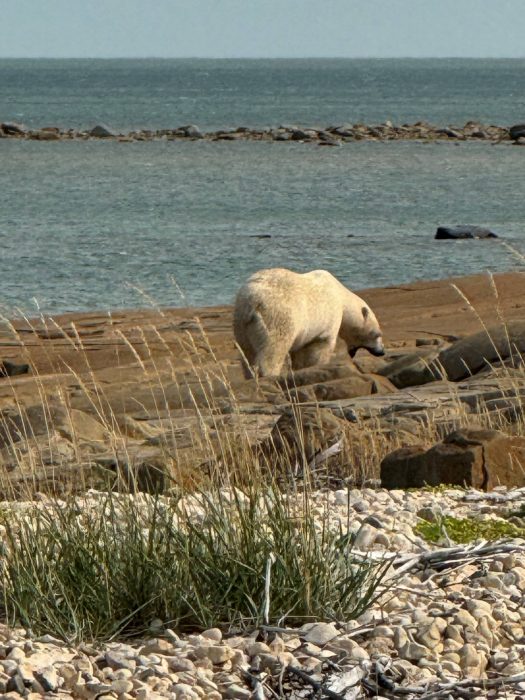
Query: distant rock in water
460	232
13	129
101	131
517	131
260	235
192	131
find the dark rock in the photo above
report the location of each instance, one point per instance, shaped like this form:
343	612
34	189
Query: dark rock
261	235
148	476
517	131
412	370
461	232
375	522
481	459
303	134
469	355
451	133
11	369
13	129
101	131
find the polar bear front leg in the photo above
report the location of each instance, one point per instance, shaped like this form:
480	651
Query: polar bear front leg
317	352
270	360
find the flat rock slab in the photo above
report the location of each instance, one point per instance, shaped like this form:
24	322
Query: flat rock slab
439	402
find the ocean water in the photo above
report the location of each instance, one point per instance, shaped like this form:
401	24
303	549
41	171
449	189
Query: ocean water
128	94
94	224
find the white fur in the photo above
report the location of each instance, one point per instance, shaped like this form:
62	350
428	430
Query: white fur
278	311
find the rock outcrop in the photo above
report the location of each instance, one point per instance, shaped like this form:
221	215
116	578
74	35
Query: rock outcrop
481	459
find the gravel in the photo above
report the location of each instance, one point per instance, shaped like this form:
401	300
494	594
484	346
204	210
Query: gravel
433	627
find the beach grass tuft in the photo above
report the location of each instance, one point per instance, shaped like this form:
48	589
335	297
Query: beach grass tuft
112	565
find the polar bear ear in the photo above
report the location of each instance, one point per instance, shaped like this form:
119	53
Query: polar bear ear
365	312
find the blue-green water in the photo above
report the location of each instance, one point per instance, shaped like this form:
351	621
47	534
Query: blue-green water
90	224
223	93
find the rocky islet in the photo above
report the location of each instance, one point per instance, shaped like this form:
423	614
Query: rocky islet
327	136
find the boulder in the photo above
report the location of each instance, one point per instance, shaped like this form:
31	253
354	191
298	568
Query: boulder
13	129
469	355
482	459
517	131
45	135
303	134
101	131
191	131
462	232
412	370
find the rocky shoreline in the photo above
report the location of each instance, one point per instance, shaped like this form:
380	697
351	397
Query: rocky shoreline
157	394
329	136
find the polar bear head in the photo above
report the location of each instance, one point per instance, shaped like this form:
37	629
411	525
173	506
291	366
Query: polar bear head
361	330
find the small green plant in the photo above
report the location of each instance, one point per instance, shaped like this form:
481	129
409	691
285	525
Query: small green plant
464	530
213	560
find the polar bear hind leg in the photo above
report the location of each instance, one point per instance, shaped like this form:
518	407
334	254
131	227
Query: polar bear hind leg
264	349
316	352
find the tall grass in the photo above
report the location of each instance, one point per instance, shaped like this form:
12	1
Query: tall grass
110	567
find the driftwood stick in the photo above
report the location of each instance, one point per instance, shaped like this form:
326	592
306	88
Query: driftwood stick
315	684
453	687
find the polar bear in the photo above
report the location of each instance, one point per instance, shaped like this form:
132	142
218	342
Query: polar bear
279	312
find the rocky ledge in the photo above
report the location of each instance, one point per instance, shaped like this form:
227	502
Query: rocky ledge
155	396
328	136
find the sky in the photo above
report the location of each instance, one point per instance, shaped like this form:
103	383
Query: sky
262	28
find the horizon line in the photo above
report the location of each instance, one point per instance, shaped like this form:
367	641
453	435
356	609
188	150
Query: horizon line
259	58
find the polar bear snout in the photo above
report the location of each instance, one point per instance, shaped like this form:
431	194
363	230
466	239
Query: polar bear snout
377	349
378	352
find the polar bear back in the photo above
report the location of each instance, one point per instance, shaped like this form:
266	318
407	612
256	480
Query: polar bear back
306	304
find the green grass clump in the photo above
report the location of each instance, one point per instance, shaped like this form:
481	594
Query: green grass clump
464	530
99	572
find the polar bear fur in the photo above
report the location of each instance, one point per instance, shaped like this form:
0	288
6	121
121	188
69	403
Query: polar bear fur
279	312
